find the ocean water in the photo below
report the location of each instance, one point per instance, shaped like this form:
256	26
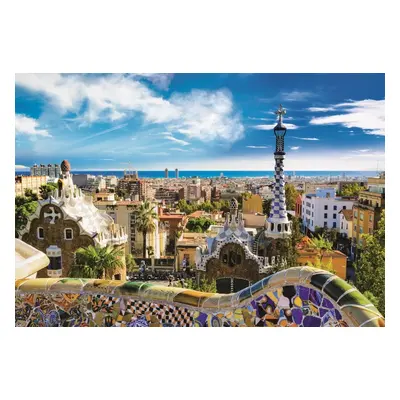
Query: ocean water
227	174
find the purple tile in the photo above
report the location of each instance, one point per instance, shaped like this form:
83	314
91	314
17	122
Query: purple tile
338	315
315	297
327	303
322	312
297	315
311	321
202	318
303	292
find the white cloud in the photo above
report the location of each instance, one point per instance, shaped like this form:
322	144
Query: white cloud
28	126
258	147
179	141
296	95
179	149
260	119
272	126
368	115
361	151
161	81
305	138
21	167
114	128
320	109
294	147
200	114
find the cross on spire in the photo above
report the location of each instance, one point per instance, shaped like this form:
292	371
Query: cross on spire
280	112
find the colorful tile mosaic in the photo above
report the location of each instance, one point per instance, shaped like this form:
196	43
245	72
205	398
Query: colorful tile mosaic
297	297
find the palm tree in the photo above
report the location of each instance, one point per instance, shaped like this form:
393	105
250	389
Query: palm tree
145	221
96	261
322	245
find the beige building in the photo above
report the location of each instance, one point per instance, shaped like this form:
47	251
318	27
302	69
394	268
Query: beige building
28	182
124	213
186	248
252	205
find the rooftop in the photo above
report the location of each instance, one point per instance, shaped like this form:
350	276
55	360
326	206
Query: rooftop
348	214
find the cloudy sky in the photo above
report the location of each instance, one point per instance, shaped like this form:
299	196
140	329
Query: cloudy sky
200	121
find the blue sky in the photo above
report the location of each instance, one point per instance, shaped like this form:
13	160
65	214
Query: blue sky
200	121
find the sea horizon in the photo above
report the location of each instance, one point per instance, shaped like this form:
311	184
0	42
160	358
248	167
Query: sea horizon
217	173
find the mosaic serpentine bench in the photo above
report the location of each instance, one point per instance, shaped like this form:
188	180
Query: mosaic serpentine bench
300	296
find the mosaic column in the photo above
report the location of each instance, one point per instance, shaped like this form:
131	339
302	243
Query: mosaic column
277	224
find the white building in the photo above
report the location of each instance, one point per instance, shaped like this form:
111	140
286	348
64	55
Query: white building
322	209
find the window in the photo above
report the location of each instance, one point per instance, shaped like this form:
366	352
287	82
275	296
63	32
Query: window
325	224
344	207
313	206
334	225
361	229
325	207
312	222
68	234
40	233
361	216
355	214
335	208
334	216
325	215
370	218
312	214
355	227
341	226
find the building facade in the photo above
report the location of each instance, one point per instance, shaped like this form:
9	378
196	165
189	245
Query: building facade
51	170
124	213
33	183
135	188
322	209
368	209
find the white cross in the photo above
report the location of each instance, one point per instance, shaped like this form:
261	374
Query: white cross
53	215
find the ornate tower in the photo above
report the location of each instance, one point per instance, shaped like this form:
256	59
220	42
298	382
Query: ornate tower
277	224
278	228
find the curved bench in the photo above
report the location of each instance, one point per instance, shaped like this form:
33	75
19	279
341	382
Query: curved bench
299	296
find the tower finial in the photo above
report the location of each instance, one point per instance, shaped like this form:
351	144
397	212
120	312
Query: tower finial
280	112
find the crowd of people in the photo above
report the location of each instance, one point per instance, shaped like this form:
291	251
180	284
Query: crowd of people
176	278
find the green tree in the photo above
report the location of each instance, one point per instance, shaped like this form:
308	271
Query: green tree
24	207
370	266
130	263
322	245
96	262
146	216
291	196
199	224
351	190
46	190
203	286
266	205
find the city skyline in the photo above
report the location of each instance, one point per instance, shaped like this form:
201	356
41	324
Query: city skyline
200	121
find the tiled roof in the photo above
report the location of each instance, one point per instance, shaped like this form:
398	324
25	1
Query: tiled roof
348	214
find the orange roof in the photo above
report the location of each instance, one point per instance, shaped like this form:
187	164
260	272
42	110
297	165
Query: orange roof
172	216
197	214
